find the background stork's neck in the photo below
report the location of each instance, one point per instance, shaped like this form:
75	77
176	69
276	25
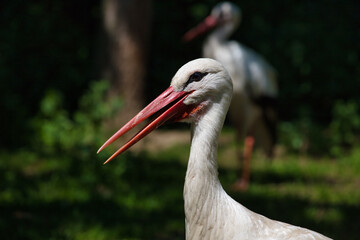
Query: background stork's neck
223	32
216	40
202	188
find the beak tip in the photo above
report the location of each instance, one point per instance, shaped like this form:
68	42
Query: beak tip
102	147
99	150
163	100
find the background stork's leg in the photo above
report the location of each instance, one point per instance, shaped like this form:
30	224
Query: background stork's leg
242	183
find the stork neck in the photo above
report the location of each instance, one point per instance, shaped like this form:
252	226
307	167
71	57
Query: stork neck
202	186
223	32
216	40
202	164
204	141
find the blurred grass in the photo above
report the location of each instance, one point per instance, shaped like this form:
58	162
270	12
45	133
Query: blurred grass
139	195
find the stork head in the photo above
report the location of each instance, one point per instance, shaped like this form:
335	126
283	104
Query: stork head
225	16
195	86
206	79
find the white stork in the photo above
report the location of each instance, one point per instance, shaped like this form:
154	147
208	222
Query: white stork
200	93
252	110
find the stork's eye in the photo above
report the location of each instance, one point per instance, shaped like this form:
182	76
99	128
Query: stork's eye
196	77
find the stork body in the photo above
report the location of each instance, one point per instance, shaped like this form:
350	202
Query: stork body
200	93
255	86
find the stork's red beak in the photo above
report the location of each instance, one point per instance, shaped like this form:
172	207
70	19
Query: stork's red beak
209	23
169	102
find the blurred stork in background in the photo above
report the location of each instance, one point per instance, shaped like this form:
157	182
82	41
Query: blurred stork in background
253	107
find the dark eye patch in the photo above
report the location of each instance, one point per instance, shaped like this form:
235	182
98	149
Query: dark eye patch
196	77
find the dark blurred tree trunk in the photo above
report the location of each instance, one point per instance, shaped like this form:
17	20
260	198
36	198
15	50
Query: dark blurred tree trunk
127	26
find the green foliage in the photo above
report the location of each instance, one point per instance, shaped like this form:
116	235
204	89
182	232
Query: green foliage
43	46
345	126
140	195
57	131
303	136
291	136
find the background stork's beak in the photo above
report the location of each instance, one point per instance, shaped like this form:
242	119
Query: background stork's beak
170	102
209	23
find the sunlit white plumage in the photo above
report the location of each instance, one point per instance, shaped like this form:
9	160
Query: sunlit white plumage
204	88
